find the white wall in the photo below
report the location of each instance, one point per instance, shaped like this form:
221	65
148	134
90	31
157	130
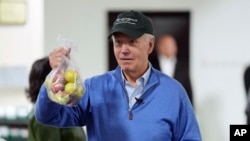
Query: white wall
220	48
20	45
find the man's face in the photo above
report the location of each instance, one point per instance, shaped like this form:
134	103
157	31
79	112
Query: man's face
167	46
132	54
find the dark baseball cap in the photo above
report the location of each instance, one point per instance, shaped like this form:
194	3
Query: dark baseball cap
132	23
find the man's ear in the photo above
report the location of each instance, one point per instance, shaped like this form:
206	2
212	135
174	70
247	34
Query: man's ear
151	45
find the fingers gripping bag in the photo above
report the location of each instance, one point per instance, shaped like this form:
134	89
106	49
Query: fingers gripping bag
64	84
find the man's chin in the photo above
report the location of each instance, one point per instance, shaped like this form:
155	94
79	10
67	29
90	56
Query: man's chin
125	68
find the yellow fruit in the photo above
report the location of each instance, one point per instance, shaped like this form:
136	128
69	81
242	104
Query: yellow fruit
79	91
71	75
61	98
51	95
48	82
70	88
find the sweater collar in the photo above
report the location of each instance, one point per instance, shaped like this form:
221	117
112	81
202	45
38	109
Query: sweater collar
152	79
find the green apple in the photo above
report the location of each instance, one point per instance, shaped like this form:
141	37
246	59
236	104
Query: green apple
51	95
71	75
70	88
48	82
61	98
79	91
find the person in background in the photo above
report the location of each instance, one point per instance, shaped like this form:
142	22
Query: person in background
246	79
36	130
166	61
133	102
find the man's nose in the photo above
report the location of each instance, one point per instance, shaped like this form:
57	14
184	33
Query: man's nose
125	49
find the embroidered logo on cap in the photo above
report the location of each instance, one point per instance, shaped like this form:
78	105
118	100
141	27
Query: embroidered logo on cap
126	21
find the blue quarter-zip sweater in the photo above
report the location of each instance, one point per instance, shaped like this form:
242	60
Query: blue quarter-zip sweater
165	113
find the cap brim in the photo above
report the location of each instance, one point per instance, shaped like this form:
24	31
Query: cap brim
131	33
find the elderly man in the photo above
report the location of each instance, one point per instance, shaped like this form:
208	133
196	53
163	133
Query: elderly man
134	102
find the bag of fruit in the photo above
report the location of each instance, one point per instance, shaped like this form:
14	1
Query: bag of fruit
63	84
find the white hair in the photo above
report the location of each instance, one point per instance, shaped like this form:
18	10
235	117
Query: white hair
149	37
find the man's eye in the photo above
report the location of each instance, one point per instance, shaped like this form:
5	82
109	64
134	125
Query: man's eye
118	43
132	42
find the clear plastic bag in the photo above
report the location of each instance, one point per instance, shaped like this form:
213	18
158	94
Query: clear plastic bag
64	84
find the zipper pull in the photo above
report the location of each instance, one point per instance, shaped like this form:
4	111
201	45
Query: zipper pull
130	115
